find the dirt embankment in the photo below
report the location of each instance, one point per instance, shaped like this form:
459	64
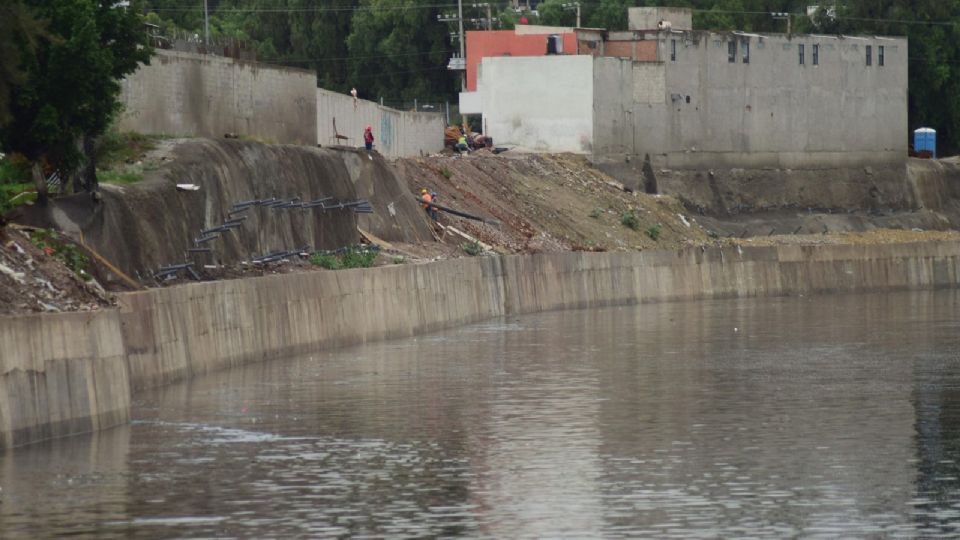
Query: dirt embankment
548	203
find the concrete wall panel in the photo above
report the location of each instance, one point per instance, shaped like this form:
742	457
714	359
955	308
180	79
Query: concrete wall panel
202	95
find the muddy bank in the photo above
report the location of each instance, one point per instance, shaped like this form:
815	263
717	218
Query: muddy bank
141	226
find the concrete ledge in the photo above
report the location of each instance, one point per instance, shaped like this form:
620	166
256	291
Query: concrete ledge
68	373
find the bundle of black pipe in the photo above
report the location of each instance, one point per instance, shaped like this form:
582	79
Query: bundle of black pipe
281	255
461	214
170	271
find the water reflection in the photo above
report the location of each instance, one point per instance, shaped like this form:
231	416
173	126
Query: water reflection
824	416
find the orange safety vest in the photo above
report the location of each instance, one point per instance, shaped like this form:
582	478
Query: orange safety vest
427	199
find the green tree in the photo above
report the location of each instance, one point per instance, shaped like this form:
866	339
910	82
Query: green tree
552	13
19	33
72	81
397	48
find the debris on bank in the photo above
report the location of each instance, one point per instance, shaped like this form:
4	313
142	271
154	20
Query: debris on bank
35	276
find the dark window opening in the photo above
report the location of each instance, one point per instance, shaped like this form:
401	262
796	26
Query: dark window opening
816	55
880	55
673	50
745	46
732	52
869	55
800	53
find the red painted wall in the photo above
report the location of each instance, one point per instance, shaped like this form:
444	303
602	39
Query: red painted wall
482	44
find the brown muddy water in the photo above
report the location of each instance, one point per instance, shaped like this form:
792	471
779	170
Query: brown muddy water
813	416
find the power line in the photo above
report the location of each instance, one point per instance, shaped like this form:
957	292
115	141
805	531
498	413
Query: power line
314	9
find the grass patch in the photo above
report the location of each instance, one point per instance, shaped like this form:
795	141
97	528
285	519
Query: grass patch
351	257
399	260
654	232
358	257
115	148
119	176
630	220
596	213
447	173
323	260
472	248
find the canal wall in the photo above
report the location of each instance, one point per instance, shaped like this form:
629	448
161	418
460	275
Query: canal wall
73	372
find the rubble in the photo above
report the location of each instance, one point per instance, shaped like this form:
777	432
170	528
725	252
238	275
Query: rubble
33	279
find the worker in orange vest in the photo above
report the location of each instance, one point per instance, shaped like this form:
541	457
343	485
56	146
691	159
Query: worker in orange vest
427	199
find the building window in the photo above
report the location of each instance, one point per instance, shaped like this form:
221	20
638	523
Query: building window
745	48
816	55
880	55
800	53
673	50
869	55
732	51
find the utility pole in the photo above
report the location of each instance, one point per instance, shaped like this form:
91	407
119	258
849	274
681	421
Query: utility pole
460	62
460	24
206	25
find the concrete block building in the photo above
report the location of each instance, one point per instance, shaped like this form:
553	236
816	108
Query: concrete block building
697	99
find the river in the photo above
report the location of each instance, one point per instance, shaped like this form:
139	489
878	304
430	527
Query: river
819	416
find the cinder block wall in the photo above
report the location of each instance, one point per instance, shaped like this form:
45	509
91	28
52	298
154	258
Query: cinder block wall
62	374
201	95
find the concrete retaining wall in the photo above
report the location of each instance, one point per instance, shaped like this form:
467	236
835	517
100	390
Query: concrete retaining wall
66	373
203	95
61	374
396	133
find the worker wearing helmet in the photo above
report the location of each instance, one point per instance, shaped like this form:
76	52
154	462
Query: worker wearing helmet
427	204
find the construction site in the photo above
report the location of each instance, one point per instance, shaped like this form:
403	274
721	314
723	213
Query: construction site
228	209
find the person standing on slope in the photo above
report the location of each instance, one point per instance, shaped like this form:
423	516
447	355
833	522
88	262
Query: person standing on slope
368	138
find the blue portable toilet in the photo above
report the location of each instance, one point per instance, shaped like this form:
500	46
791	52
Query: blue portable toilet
925	139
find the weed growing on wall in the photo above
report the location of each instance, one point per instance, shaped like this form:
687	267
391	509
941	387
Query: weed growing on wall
654	232
630	220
